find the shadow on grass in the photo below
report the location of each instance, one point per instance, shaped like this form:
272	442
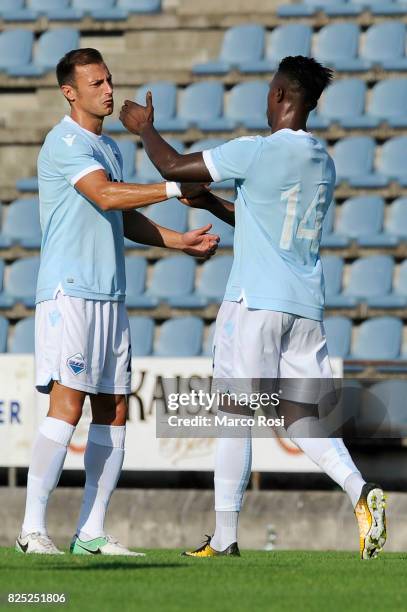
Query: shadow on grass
92	566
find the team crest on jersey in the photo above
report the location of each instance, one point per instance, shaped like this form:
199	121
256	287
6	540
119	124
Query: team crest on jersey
76	363
69	139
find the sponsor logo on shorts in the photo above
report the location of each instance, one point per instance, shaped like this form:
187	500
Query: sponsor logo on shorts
76	364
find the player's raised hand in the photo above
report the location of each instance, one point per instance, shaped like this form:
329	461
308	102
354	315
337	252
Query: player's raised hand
199	243
136	116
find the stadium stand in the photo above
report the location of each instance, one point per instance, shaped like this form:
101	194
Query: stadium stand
180	337
142	336
22	339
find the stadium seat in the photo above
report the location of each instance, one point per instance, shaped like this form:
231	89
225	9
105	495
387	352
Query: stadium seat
164	100
211	285
122	8
354	157
361	218
396	222
128	150
343	100
290	39
370	277
136	272
15	48
171	214
173	277
17	10
146	171
241	44
378	338
211	143
383	42
199	218
142	336
338	336
387	416
27	185
180	337
332	266
201	105
247	105
387	103
310	7
21	283
207	350
51	46
398	297
391	162
337	45
4	324
58	10
23	337
2	268
329	238
5	242
22	224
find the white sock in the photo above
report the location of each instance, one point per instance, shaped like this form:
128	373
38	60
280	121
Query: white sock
233	463
47	461
103	463
353	486
330	454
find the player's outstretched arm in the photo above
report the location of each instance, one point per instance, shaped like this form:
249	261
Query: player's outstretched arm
221	208
108	195
172	165
197	243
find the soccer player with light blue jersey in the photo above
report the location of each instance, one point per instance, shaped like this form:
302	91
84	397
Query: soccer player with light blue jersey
270	323
82	343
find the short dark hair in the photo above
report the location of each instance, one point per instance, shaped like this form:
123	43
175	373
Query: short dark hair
78	57
308	75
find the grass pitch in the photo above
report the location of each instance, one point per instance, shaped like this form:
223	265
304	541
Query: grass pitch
165	581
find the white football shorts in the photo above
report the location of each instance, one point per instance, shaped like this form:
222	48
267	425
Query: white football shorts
83	344
254	350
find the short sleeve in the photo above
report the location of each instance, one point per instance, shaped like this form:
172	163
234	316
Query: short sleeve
233	159
74	157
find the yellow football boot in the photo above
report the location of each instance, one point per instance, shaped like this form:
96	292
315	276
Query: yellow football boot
371	516
207	551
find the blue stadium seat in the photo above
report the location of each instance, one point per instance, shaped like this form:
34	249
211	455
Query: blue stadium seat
128	150
211	143
211	285
337	45
171	214
136	272
5	242
329	238
146	171
385	45
58	10
15	48
388	103
370	278
180	337
123	8
343	101
2	268
391	163
378	338
207	350
354	157
332	266
27	185
17	10
361	219
247	105
201	105
398	297
199	218
142	336
4	324
22	224
173	277
21	283
241	44
23	338
338	336
310	7
396	222
51	46
290	39
164	100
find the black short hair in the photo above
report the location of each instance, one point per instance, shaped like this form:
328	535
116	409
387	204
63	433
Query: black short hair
308	75
78	57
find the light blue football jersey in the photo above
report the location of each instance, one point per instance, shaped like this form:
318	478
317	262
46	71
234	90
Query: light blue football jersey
284	185
82	249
